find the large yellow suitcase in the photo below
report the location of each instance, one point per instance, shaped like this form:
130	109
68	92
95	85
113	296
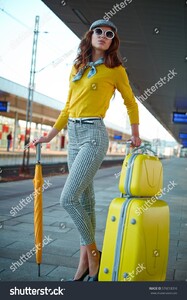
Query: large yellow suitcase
136	240
141	175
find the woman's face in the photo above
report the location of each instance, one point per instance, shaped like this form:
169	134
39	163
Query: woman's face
101	42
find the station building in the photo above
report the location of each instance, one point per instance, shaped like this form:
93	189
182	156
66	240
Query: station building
45	111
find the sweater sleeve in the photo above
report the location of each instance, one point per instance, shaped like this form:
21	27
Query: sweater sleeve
123	86
63	117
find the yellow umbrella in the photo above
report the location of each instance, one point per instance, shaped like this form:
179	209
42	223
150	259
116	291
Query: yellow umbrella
38	207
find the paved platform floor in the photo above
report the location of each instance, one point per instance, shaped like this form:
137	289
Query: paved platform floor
61	252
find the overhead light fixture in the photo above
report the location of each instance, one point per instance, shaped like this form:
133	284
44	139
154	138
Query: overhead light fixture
156	30
180	117
182	135
81	16
185	58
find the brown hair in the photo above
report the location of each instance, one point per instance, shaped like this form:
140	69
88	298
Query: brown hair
111	58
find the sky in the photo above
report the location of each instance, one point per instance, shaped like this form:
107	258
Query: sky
56	50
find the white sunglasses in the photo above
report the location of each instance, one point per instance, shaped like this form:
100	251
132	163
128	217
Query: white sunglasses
109	34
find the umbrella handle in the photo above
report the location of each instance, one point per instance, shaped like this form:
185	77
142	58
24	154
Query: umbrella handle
38	152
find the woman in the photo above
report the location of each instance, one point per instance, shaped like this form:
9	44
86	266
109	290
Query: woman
96	73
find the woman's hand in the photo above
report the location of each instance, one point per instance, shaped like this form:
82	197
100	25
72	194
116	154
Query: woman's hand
41	139
46	139
136	141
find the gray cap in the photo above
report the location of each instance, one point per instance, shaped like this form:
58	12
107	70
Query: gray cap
103	22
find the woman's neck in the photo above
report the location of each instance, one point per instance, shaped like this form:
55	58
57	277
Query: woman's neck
96	54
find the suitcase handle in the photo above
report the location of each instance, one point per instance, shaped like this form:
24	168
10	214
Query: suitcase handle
143	150
128	145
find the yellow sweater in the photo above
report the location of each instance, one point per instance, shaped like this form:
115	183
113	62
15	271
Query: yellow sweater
90	97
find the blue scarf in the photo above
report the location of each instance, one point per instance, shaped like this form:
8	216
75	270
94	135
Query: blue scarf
93	70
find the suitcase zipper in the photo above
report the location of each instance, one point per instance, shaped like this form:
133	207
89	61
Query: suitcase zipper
129	173
120	232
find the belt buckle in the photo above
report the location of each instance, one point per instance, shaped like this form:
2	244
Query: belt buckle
74	121
89	122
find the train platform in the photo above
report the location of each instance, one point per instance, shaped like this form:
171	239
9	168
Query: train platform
16	157
48	156
53	162
61	239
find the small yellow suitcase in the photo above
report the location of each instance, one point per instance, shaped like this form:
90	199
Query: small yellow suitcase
136	240
141	175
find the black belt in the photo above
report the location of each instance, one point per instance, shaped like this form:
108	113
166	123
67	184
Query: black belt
84	121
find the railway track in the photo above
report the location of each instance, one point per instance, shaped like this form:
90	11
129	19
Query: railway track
16	172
